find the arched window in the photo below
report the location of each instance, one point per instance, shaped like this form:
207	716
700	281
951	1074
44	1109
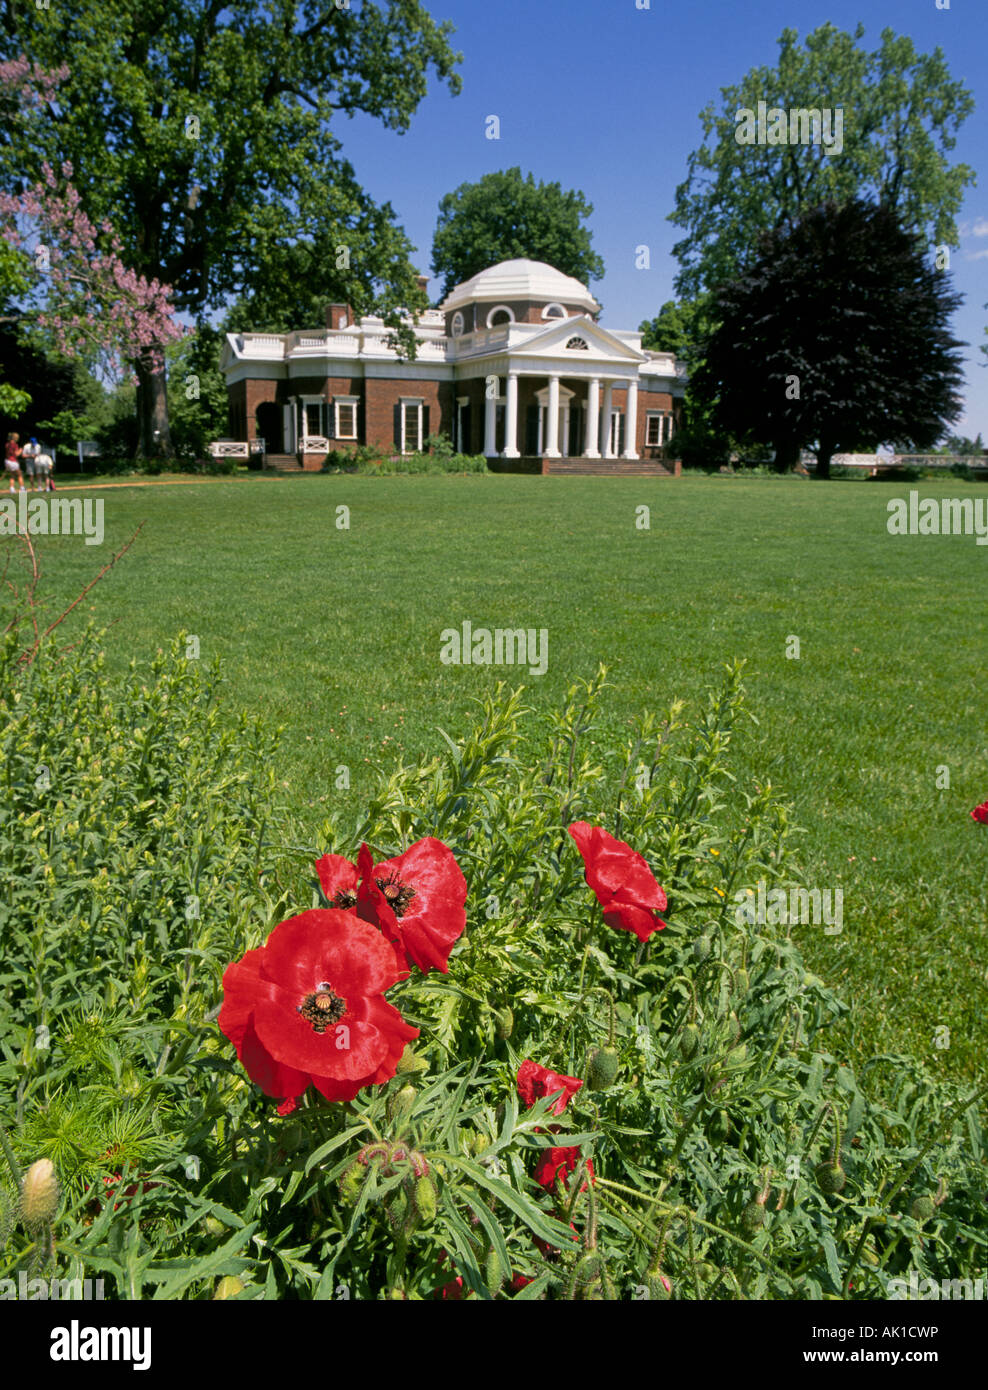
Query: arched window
578	345
500	315
457	325
554	311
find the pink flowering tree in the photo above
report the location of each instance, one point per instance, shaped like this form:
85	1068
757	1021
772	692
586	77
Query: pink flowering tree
82	296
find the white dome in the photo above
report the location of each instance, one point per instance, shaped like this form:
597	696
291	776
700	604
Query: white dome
521	279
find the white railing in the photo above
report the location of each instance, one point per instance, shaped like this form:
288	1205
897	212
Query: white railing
263	345
229	448
314	444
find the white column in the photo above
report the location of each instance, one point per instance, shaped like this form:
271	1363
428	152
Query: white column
631	421
511	419
490	425
605	447
552	443
566	431
590	449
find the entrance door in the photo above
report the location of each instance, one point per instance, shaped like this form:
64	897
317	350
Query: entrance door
268	422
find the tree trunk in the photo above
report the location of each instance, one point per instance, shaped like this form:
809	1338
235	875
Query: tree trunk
826	451
786	455
154	436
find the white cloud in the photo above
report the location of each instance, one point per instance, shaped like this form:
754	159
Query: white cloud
980	227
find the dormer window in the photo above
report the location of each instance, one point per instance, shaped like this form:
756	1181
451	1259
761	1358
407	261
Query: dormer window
499	316
578	345
456	327
554	311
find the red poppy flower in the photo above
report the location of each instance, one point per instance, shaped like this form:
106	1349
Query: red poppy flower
559	1163
623	883
418	899
980	813
519	1282
309	1006
534	1082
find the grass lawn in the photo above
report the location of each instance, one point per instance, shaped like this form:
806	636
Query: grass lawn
336	635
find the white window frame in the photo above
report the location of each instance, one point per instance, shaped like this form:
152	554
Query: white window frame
406	402
305	402
457	325
659	417
345	400
500	309
547	312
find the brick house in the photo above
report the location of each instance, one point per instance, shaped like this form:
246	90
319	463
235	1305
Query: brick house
513	365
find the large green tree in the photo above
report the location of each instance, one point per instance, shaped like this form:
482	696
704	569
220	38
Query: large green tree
206	131
836	337
900	113
505	216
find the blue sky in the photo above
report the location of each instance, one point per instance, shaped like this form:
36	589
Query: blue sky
604	97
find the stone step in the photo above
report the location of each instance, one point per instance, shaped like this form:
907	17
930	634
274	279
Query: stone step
610	470
283	463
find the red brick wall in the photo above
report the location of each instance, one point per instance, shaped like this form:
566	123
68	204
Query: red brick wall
384	393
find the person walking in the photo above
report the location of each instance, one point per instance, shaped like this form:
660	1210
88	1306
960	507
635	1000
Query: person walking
12	461
29	455
43	466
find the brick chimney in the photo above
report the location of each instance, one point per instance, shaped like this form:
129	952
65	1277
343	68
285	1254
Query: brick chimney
339	316
423	283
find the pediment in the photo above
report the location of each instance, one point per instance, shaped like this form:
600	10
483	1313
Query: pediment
600	343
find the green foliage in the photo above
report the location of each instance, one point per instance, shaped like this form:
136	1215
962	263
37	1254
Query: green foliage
197	394
504	216
901	114
438	456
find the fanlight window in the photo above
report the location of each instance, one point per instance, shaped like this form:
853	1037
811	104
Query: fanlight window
578	345
554	311
457	325
500	315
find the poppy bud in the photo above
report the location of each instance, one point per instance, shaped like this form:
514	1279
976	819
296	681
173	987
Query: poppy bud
39	1193
409	1061
504	1023
494	1273
351	1183
603	1068
830	1177
689	1041
753	1217
659	1287
741	980
400	1103
922	1209
214	1227
228	1287
424	1198
702	947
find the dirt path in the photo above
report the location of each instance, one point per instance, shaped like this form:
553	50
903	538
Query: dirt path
148	482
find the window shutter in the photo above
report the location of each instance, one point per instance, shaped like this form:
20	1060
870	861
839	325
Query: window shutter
329	419
425	425
397	426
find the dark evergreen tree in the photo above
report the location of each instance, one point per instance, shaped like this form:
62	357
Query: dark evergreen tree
836	336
